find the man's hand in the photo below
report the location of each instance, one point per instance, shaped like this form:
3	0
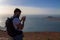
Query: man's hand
21	26
23	18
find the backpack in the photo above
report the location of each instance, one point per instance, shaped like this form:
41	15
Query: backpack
10	28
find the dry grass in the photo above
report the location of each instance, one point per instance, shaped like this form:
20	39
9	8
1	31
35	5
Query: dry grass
34	36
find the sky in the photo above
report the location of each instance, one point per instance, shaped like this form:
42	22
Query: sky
30	6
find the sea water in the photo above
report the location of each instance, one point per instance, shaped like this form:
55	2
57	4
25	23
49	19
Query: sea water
36	23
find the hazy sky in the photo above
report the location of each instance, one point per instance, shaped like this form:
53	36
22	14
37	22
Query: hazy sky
31	6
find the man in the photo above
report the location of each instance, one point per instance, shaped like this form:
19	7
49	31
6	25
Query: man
15	27
18	24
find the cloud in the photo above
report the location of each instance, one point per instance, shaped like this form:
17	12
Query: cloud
9	9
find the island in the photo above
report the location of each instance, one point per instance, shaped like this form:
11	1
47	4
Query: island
51	18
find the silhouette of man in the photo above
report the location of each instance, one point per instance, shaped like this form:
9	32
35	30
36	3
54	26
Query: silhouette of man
17	24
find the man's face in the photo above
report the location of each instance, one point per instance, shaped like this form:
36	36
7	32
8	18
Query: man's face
17	14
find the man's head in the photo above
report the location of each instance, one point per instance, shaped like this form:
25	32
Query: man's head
17	12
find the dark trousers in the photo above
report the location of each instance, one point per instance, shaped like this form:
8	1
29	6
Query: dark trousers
18	37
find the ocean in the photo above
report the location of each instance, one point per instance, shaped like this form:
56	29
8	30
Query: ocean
36	23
